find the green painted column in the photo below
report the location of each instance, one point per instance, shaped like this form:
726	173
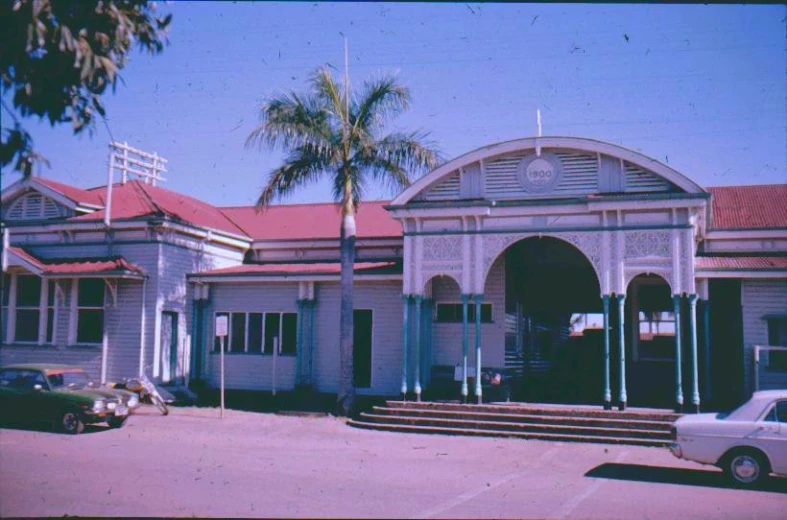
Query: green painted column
695	384
194	339
465	300
299	341
417	347
311	305
706	349
622	348
678	355
607	389
478	389
426	354
405	341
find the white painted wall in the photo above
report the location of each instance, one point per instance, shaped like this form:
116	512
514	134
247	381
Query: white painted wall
759	298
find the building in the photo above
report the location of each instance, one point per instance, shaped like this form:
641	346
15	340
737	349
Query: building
541	257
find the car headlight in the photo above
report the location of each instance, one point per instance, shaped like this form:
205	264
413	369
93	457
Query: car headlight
133	401
99	405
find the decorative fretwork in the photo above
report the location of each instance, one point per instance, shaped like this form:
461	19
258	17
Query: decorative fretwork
588	243
442	248
642	244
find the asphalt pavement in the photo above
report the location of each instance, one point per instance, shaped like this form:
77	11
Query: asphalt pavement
192	463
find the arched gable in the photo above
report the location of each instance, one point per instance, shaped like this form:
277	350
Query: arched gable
546	167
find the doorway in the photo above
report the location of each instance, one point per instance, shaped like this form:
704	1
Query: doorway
554	336
362	348
169	346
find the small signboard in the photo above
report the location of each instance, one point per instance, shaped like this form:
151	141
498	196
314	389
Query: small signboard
221	325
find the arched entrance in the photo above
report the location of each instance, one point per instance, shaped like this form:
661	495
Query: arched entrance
554	322
651	343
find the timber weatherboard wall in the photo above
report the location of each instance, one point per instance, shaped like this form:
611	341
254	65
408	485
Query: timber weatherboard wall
166	261
384	299
759	298
249	371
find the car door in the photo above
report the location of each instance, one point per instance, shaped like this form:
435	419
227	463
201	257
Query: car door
9	395
772	435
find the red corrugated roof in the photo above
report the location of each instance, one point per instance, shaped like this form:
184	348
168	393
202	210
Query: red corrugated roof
749	207
78	265
312	221
317	268
137	199
741	262
77	195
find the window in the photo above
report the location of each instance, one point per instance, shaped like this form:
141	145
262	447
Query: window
452	312
27	307
90	311
257	333
238	336
777	336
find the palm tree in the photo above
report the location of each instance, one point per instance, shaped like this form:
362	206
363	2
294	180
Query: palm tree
329	131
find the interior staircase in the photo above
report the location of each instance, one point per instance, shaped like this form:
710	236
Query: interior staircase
580	423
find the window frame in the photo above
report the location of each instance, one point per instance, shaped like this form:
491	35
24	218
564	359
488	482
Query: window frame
76	308
470	312
45	306
263	351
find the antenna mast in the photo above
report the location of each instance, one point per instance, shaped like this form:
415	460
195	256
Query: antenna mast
148	167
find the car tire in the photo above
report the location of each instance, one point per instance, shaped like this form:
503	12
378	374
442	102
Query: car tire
746	467
116	422
71	421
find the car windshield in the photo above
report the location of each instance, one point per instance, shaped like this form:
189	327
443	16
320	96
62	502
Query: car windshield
70	379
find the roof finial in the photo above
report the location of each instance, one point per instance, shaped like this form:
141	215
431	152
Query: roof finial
538	123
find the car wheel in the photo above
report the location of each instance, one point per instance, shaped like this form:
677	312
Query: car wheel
746	467
116	422
71	422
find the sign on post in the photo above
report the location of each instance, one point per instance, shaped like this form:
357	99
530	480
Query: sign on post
222	325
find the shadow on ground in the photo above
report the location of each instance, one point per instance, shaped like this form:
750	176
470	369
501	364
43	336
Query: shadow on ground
48	428
295	403
680	476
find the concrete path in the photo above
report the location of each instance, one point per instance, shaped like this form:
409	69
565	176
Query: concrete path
191	463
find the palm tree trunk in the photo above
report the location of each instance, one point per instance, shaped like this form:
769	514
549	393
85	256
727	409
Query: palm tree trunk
346	394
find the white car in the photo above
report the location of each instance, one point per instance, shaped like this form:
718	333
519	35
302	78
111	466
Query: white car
748	443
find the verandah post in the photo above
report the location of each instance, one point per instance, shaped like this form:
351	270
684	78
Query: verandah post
405	341
622	347
478	389
695	387
465	300
678	356
607	389
417	386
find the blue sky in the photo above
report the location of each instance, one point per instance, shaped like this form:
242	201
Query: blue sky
700	88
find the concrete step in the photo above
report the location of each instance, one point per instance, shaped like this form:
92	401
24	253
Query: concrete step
408	428
562	429
645	414
519	418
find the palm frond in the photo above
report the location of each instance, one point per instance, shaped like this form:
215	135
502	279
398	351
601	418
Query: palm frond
380	99
291	120
302	166
413	152
326	89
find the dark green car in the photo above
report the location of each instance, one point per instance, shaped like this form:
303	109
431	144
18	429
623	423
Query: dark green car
62	395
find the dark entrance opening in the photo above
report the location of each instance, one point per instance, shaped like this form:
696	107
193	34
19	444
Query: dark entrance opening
362	348
554	335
